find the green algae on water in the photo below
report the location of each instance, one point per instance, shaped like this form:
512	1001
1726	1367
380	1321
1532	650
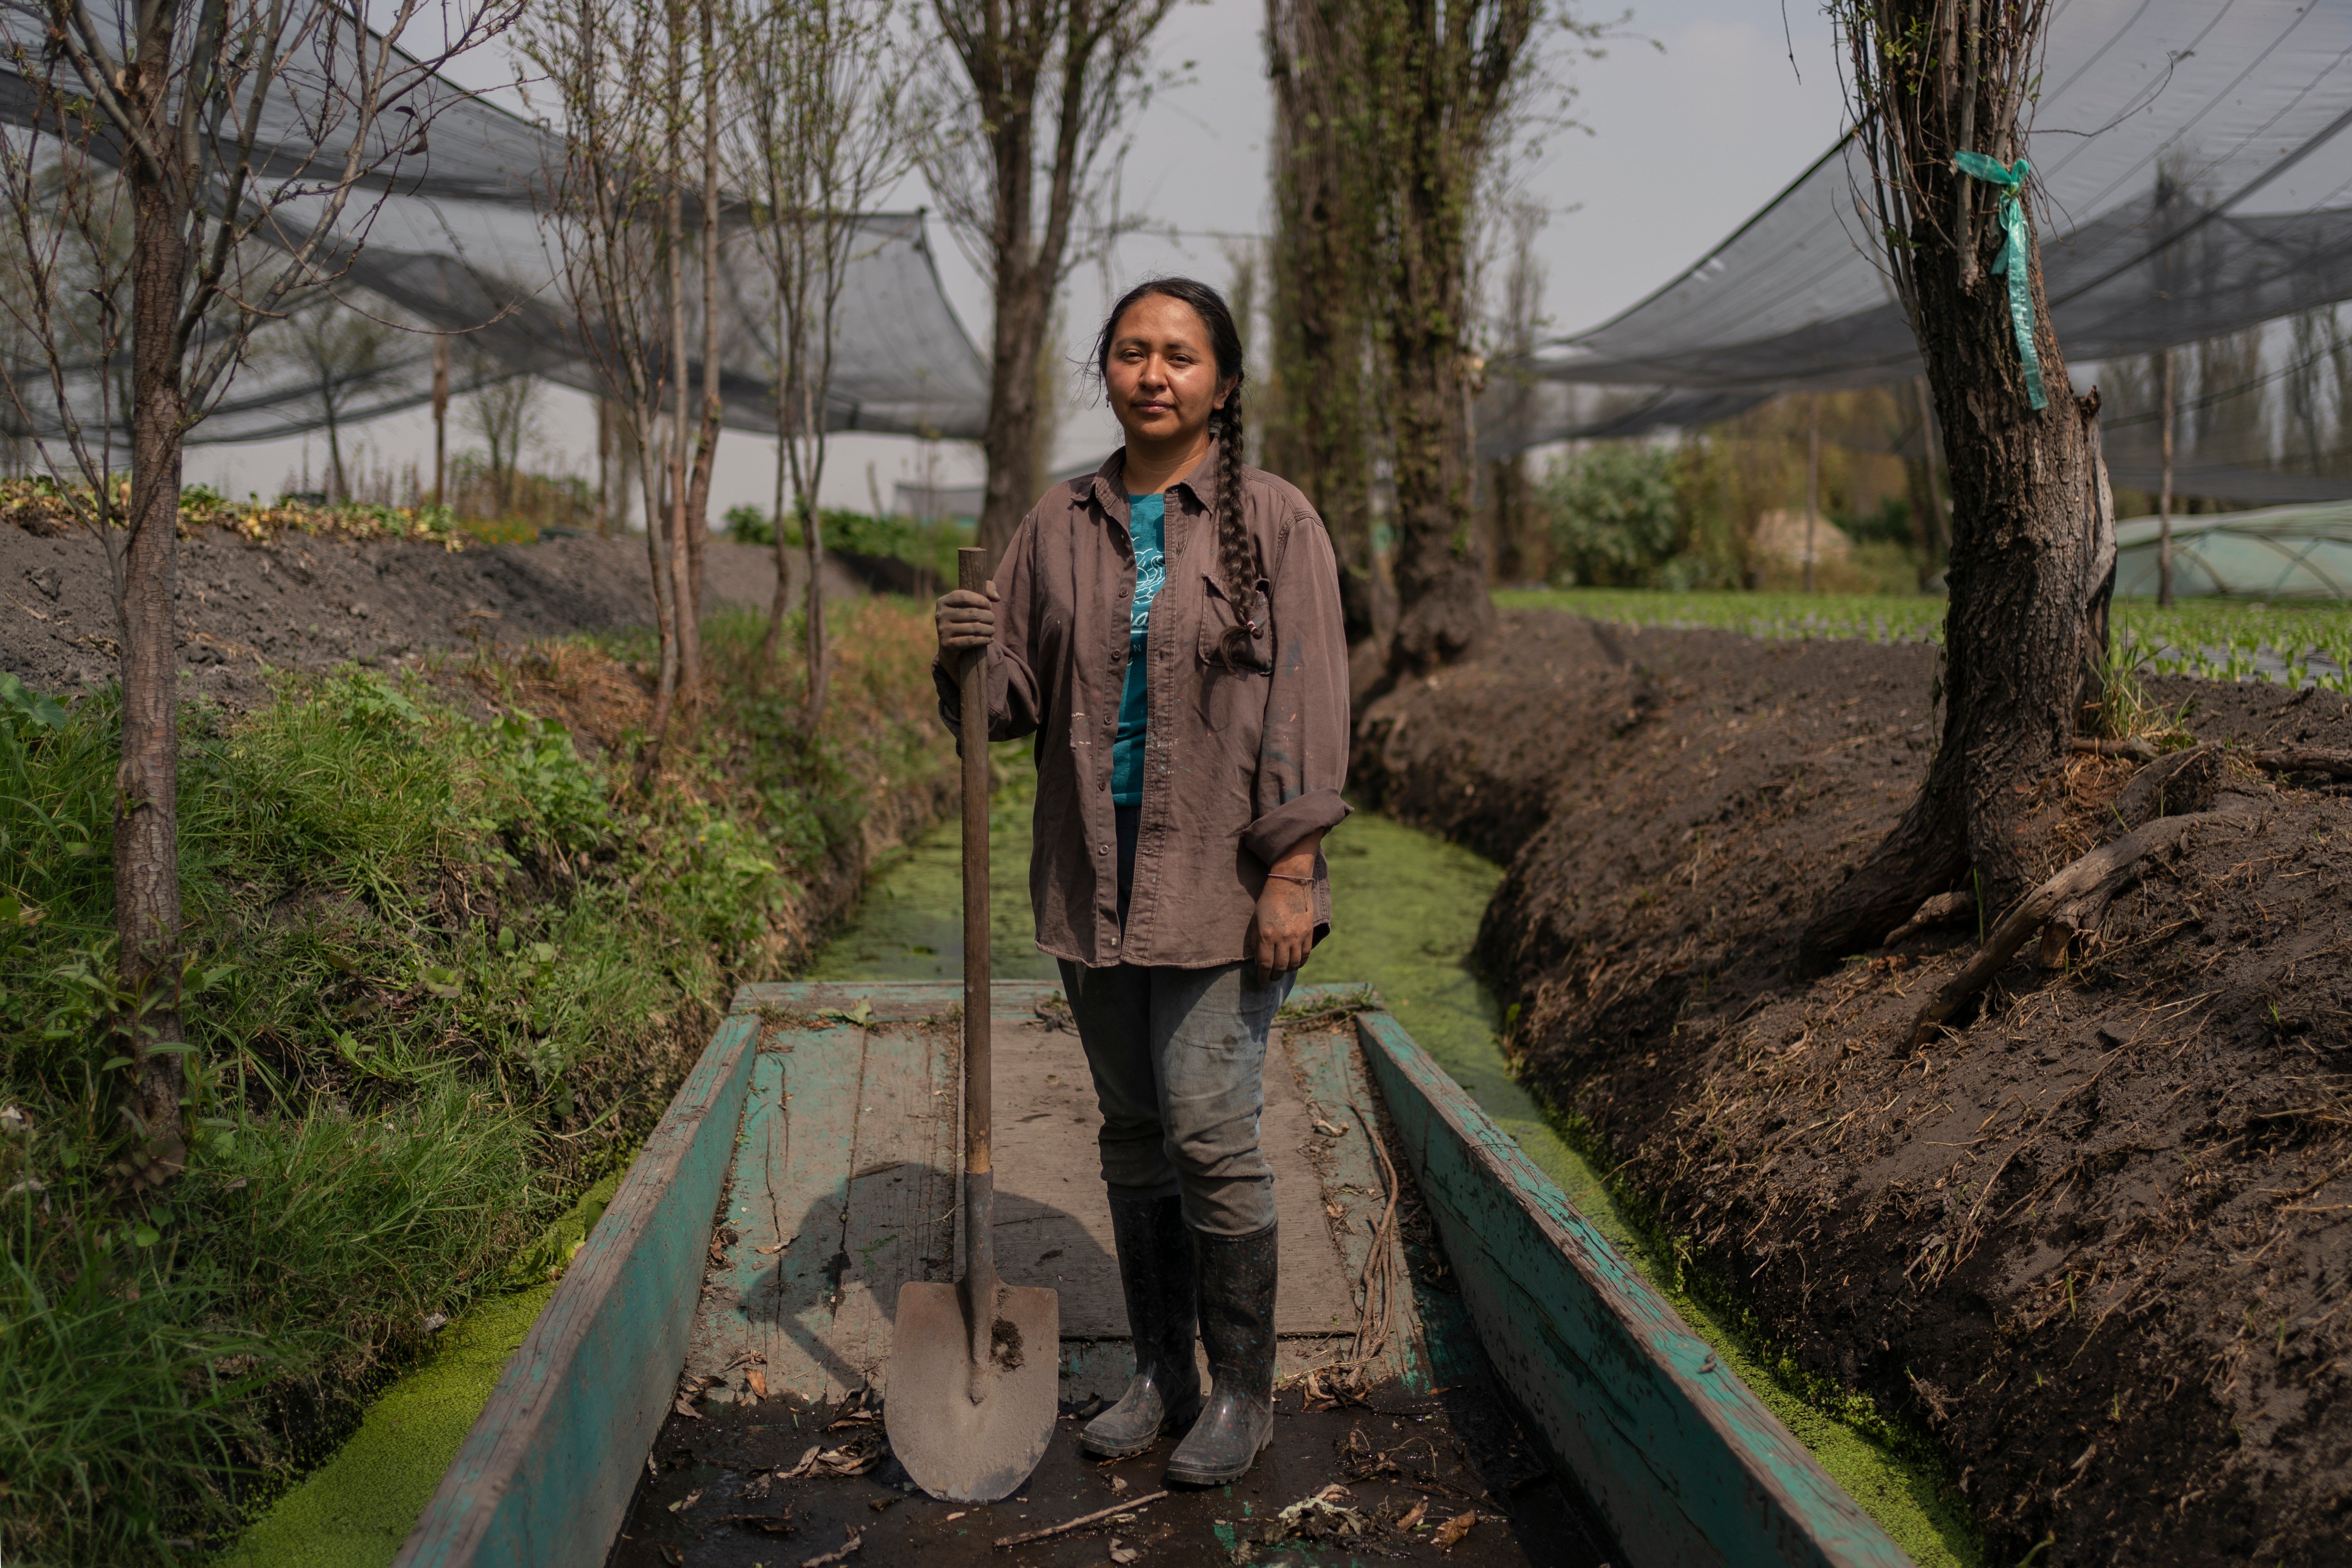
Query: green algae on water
355	1511
1405	911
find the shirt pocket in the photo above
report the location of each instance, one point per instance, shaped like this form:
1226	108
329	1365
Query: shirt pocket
1218	617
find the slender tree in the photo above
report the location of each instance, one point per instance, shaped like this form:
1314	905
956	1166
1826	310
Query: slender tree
503	412
174	173
1509	409
624	73
1045	86
1394	115
1322	430
1447	76
840	126
1940	91
345	352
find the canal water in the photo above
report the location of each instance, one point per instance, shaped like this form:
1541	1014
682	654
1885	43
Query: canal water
1406	907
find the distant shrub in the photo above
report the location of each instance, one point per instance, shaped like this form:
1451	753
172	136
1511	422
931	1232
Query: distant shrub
1617	516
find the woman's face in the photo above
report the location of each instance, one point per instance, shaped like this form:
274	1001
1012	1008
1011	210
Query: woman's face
1162	376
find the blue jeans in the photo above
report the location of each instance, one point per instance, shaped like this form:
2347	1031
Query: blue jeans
1178	1063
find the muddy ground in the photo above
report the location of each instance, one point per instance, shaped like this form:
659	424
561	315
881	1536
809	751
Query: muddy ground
720	1493
304	602
2095	1240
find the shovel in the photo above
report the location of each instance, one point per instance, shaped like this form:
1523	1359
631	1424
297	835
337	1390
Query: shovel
975	1367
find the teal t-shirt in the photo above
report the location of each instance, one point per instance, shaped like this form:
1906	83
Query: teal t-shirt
1146	520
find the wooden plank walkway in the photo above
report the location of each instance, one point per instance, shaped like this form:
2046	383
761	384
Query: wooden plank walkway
844	1188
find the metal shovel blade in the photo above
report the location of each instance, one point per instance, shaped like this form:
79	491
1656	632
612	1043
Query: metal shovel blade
954	1448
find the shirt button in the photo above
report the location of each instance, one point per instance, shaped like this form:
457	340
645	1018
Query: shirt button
1102	848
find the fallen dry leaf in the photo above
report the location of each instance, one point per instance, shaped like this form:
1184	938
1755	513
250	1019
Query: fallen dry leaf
1122	1554
1118	1484
807	1462
1412	1516
771	1250
757	1381
689	1500
1455	1529
685	1407
766	1523
840	1555
956	1515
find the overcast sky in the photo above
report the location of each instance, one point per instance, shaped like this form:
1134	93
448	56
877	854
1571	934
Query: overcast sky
1687	130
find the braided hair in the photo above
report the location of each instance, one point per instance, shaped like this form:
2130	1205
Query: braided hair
1236	562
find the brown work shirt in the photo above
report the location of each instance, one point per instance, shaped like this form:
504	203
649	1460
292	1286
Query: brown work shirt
1239	765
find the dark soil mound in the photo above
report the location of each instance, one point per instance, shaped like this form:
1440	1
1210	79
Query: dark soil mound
306	602
2098	1237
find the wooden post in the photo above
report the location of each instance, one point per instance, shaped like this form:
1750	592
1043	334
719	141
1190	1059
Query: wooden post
440	419
2164	497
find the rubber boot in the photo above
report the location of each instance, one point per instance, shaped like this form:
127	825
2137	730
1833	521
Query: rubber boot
1237	1327
1155	1269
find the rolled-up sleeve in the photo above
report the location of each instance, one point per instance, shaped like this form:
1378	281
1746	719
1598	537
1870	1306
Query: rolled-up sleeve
1302	763
1014	706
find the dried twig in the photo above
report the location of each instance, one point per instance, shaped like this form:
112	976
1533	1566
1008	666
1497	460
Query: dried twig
841	1554
2111	863
2336	764
1080	1522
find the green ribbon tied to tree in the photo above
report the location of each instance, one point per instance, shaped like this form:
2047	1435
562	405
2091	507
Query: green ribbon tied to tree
2013	257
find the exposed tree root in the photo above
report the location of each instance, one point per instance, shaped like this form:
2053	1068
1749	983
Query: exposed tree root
1943	910
1925	854
2306	760
2177	786
2077	894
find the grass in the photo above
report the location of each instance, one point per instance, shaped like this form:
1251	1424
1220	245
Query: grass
443	975
2299	644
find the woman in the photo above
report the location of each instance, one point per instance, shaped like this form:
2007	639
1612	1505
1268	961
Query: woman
1169	628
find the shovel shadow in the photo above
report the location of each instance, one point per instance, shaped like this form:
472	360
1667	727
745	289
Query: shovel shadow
826	1301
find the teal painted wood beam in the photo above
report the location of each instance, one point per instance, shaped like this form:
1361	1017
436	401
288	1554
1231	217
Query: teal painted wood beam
1686	1465
545	1476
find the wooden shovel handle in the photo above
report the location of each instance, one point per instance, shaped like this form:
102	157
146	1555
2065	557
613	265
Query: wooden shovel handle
972	574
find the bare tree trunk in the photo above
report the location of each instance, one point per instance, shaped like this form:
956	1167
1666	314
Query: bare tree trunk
689	637
1440	564
772	647
339	488
819	653
2025	498
1321	264
705	438
440	418
1010	440
2164	497
1450	73
1059	72
653	465
1812	489
146	788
